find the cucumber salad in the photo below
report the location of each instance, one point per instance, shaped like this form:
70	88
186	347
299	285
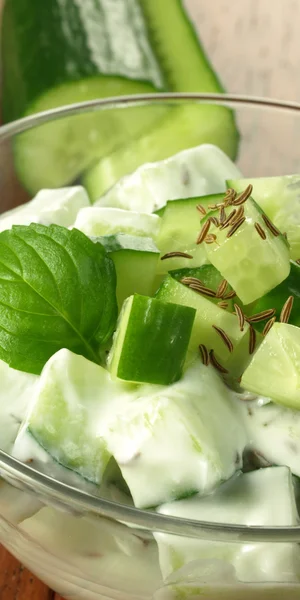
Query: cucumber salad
150	345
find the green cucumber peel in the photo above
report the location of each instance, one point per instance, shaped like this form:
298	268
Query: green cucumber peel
57	290
151	341
278	296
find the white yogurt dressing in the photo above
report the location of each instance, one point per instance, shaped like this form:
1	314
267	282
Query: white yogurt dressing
273	431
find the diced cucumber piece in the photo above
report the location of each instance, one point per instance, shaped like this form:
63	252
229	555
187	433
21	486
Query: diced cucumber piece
275	368
16	391
208	276
95	221
273	431
252	265
49	206
240	358
179	230
135	260
207	315
261	498
277	297
169	22
73	400
78	55
183	438
279	197
197	171
151	341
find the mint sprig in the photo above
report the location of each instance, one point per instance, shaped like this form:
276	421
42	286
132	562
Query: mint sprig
57	290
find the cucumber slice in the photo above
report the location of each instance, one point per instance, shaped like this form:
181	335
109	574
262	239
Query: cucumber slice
16	505
262	263
95	221
278	296
183	438
78	55
275	368
73	400
273	431
279	198
261	498
16	391
207	315
49	206
135	260
179	231
151	341
190	172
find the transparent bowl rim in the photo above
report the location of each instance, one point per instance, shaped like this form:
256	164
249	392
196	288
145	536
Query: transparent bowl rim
80	500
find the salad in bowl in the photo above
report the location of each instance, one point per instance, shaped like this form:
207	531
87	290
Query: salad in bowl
149	367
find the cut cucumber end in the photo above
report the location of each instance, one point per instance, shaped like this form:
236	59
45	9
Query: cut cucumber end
55	154
151	341
275	368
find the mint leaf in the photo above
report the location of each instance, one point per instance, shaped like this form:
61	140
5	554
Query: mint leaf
57	290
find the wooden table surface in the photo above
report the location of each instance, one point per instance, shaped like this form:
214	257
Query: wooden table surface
254	46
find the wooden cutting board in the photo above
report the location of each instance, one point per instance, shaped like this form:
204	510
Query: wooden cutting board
16	583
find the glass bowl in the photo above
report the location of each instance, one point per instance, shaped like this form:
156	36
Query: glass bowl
90	547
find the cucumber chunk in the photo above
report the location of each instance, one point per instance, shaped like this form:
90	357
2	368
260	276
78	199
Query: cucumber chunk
278	296
16	391
183	438
279	198
273	431
49	206
95	221
197	171
135	260
78	55
252	265
151	341
209	276
179	231
275	368
73	400
261	498
207	315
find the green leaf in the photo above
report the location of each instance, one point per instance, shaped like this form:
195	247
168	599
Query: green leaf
57	290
